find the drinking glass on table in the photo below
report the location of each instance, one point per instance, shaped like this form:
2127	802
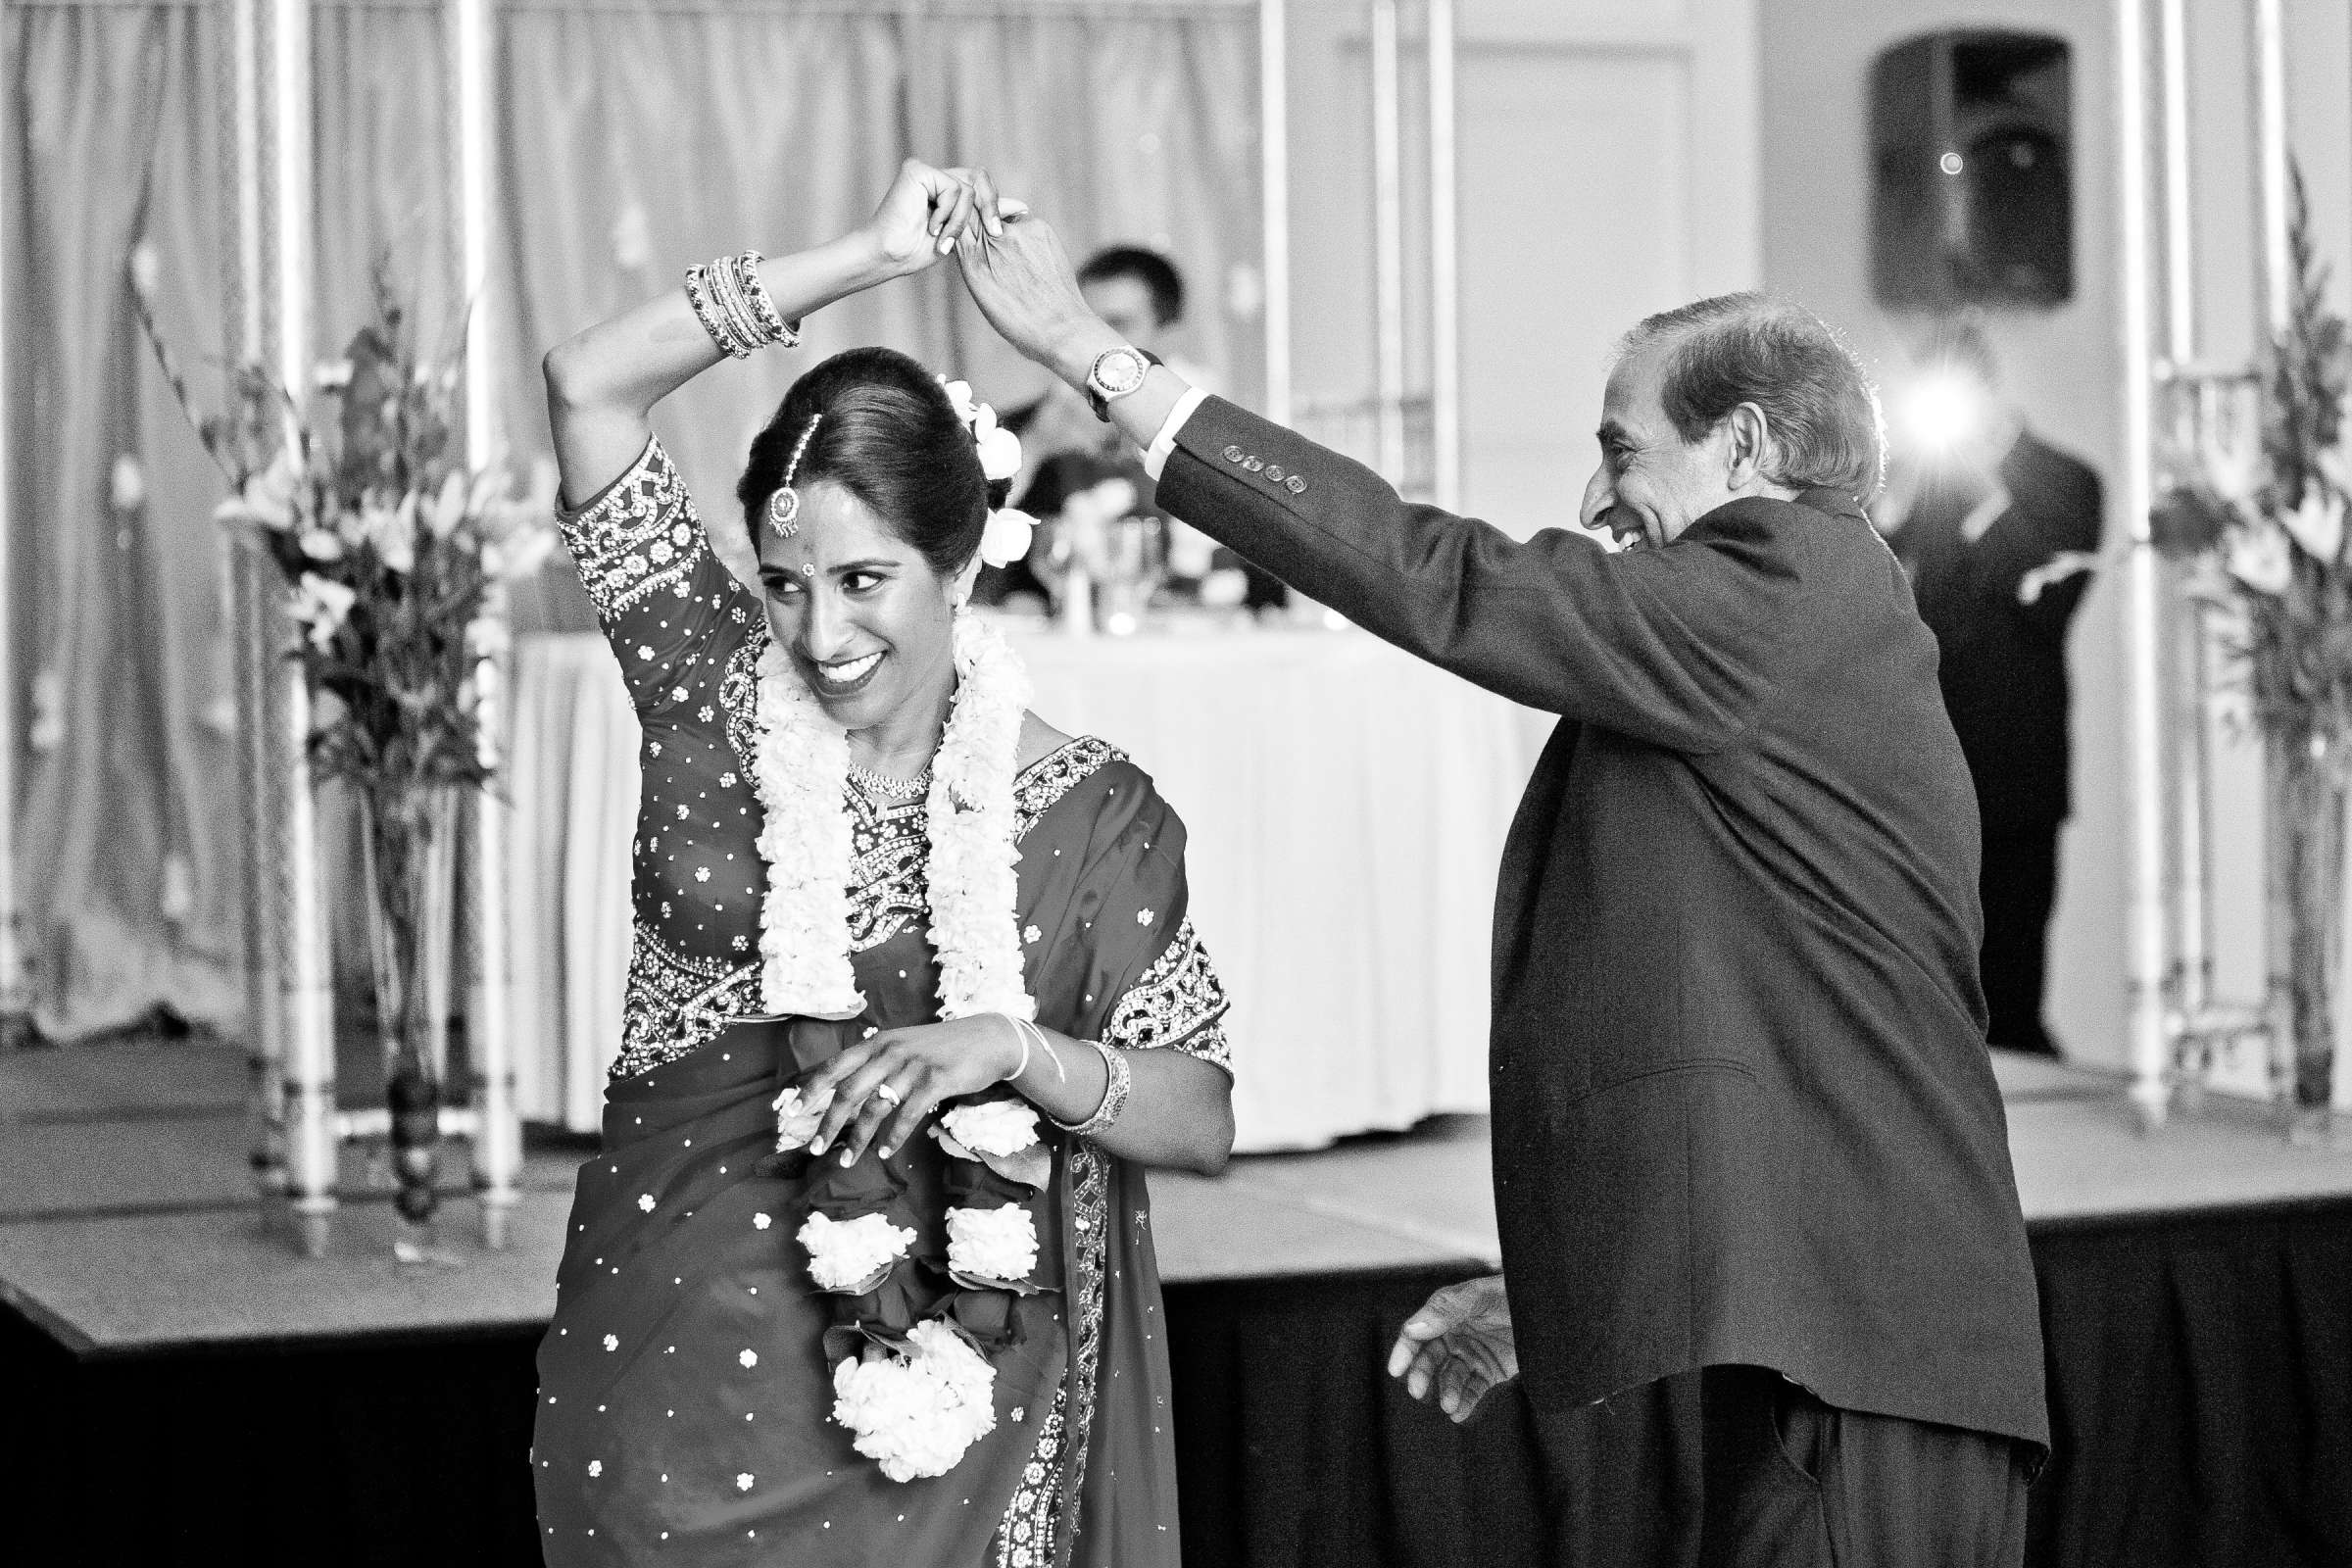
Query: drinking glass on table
1135	558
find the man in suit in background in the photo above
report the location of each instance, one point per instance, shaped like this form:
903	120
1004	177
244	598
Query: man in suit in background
1998	530
1747	1143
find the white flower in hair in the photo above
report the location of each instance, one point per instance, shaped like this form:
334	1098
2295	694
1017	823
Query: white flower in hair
1005	539
1000	448
959	393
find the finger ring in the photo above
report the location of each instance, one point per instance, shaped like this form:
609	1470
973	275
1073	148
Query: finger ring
887	1094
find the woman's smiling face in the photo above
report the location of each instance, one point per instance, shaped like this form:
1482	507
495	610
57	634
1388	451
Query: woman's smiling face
865	617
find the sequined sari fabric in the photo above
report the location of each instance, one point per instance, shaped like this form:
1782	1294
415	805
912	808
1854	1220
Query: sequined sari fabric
685	1398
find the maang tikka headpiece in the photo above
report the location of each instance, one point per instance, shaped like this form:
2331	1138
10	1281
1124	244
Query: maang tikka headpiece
785	505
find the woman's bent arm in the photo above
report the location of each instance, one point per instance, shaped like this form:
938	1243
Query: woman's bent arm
603	382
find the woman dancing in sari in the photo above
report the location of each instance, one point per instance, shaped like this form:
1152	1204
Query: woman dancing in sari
864	1272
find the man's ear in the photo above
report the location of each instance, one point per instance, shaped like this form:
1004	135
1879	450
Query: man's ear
1751	448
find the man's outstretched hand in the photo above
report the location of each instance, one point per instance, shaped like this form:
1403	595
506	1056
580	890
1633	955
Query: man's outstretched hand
1460	1344
1023	282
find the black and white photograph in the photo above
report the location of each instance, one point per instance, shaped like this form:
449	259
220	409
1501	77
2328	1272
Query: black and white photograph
1176	783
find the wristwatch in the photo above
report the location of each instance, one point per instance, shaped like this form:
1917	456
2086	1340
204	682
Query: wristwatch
1116	374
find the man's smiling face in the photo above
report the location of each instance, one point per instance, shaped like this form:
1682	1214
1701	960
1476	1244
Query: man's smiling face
1652	484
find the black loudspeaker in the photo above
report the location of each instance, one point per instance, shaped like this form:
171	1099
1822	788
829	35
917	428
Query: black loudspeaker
1972	202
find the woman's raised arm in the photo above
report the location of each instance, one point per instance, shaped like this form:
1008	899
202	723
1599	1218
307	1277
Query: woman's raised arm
603	382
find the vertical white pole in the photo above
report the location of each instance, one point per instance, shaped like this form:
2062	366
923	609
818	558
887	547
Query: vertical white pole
2269	152
255	628
1274	180
2195	962
2277	293
1388	245
307	987
16	998
1445	269
469	29
2145	930
497	1138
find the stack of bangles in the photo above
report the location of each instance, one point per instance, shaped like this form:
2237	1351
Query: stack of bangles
1116	1078
734	307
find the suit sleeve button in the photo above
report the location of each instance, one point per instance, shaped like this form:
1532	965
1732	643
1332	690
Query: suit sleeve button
1233	453
1253	463
1295	485
1274	472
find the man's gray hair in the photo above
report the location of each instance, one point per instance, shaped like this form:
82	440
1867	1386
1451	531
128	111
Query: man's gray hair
1822	414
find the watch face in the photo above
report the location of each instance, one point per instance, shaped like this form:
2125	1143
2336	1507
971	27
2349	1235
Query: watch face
1120	371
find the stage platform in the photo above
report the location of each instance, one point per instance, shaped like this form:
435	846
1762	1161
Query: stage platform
134	1256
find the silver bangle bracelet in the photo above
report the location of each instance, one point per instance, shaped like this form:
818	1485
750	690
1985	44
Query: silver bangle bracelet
724	287
1115	1084
773	328
700	286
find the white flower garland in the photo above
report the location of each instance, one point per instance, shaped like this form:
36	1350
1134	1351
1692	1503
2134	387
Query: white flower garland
915	1412
802	768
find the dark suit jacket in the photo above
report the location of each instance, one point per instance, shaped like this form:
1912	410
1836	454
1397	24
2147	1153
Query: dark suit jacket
1743	1111
2003	669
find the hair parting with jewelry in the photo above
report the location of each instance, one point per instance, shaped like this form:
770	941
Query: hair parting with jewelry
784	507
883	429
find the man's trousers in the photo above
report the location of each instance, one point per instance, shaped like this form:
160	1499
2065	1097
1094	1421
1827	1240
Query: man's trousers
1737	1467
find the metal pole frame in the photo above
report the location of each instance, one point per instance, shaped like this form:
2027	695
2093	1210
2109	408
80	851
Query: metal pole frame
1274	180
2275	278
1388	245
285	840
2146	935
17	1024
497	1130
1445	267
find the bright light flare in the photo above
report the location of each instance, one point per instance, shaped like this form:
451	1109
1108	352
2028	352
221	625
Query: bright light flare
1941	412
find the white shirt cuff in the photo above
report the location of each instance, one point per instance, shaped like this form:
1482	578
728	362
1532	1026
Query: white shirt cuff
1163	445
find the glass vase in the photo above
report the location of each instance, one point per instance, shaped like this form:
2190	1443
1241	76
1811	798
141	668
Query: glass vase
2311	798
408	840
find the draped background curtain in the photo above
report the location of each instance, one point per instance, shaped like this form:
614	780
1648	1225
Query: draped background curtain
628	140
634	140
125	826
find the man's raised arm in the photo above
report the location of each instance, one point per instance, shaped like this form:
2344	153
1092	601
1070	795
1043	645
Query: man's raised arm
1678	648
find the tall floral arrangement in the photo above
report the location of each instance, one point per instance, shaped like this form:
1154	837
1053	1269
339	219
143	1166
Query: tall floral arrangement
2265	517
393	556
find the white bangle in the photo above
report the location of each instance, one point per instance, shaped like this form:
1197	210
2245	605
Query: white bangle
1026	1030
1023	1035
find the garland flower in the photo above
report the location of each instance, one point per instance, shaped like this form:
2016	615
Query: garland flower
916	1396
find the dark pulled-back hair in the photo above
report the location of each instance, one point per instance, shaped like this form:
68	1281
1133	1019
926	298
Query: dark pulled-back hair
1148	268
888	434
1822	411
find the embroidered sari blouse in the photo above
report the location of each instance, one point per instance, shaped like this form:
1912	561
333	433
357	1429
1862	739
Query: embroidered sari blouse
689	638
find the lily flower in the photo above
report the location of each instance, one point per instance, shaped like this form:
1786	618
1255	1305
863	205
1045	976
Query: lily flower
2260	556
2317	524
321	605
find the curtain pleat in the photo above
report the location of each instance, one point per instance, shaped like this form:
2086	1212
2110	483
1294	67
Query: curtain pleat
125	828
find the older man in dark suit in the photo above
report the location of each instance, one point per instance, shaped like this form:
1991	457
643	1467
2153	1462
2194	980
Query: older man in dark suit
1748	1141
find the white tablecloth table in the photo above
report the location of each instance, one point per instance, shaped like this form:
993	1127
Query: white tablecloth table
1346	808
